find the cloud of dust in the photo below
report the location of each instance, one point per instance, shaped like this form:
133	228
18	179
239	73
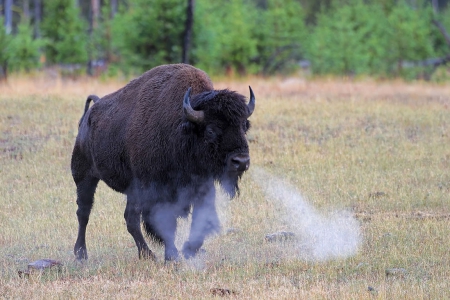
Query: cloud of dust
318	236
198	262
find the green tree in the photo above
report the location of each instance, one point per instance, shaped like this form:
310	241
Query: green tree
238	44
441	44
100	40
224	36
411	38
207	46
350	39
5	40
281	33
149	33
24	50
65	31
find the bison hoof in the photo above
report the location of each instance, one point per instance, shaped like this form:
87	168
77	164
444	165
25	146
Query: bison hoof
189	252
171	255
147	254
81	254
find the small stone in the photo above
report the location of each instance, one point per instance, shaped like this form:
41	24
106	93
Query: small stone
280	236
398	272
223	292
39	265
44	264
372	291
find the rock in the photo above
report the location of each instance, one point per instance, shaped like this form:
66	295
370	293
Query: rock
280	236
223	292
397	272
44	264
39	265
372	291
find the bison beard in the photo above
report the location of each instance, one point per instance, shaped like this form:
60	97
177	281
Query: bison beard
230	183
164	148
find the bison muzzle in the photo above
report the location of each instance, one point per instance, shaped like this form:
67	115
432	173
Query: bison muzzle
163	140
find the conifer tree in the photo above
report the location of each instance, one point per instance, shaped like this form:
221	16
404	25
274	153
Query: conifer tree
65	31
149	33
5	40
23	49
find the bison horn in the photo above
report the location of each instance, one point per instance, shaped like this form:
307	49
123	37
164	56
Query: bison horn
195	116
251	103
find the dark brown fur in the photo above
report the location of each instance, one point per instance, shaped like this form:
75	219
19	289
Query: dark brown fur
140	143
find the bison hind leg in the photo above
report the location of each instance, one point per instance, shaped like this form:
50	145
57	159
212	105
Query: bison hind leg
85	200
133	217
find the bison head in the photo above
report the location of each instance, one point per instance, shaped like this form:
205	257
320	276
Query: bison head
220	122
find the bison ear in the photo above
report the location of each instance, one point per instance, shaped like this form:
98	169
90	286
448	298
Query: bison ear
251	103
195	116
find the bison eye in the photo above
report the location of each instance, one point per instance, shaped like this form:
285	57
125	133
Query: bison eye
247	125
210	134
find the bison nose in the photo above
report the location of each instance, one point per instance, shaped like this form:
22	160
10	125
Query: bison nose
240	162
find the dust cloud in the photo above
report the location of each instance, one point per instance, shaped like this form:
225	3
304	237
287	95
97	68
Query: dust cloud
317	236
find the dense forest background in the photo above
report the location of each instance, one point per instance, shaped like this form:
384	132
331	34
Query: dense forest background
379	38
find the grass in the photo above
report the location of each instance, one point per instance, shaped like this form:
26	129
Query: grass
376	149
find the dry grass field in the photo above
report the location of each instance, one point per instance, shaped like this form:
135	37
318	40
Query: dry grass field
378	151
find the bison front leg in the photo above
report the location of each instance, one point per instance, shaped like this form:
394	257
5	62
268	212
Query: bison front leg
163	220
204	222
133	219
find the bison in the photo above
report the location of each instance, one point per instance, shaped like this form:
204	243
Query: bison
163	140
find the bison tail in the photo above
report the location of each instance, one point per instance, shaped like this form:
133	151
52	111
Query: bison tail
86	106
88	101
151	232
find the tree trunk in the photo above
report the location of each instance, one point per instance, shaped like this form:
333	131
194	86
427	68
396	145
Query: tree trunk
442	30
435	4
93	23
188	30
8	16
37	18
4	73
113	8
26	9
95	4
